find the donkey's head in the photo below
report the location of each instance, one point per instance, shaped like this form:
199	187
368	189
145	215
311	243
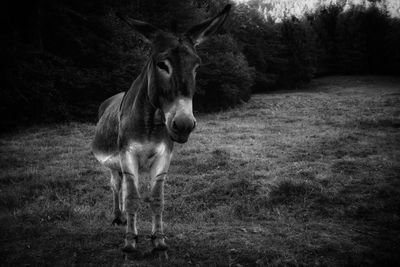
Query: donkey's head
171	71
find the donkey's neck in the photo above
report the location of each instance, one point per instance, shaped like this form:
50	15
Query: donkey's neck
139	118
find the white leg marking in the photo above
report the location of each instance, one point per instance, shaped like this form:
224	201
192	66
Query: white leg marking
130	196
158	175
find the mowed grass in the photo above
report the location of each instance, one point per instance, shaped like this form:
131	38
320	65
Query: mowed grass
307	177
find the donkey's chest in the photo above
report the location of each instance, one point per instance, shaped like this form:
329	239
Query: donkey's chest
146	153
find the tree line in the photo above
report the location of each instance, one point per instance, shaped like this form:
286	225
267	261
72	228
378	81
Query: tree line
60	59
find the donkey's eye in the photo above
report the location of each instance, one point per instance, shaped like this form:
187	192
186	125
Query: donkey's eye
164	66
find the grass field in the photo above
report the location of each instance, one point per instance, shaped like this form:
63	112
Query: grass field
307	177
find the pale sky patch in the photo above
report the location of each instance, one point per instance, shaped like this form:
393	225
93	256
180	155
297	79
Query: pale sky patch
278	9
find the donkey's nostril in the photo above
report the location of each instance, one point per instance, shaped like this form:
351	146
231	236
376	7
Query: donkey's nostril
183	125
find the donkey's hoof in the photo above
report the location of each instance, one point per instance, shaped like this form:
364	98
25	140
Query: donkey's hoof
161	254
130	248
159	244
160	248
117	221
131	241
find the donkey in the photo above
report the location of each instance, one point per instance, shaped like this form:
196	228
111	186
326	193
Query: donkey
136	130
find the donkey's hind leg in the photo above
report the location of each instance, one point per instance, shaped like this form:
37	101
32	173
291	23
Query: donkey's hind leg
115	182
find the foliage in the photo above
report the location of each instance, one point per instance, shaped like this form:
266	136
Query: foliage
299	39
224	79
358	40
329	40
60	59
261	45
364	52
324	23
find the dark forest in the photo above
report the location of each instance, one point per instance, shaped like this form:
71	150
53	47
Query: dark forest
60	59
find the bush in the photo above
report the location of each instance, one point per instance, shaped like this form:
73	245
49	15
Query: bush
224	78
260	44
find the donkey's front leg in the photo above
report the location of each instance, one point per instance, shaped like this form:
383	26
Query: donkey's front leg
158	174
130	199
116	179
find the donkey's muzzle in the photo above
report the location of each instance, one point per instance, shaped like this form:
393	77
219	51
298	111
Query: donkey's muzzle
182	126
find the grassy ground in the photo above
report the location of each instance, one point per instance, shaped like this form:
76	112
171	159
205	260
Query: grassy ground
309	177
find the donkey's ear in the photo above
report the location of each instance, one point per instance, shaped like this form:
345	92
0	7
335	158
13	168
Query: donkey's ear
202	31
147	30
